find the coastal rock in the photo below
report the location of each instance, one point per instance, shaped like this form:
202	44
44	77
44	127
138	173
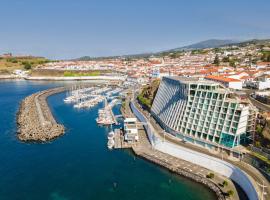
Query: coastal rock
35	120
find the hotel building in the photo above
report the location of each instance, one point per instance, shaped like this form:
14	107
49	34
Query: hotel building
203	112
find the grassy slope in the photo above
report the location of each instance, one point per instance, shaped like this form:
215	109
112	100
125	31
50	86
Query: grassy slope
7	65
148	93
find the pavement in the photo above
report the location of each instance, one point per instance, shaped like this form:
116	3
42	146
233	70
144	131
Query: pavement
250	170
143	147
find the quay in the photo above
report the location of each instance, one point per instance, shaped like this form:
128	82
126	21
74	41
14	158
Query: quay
119	142
35	120
144	149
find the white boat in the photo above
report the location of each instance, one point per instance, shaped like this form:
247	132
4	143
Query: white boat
110	135
110	143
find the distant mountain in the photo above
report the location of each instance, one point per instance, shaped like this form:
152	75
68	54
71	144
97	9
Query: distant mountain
213	43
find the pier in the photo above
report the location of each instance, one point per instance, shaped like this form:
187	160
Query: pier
106	115
119	142
35	120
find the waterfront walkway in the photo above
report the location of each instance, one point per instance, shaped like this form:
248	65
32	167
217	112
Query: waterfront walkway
257	177
179	166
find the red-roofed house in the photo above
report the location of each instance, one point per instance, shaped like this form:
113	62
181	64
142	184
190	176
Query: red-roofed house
262	65
227	82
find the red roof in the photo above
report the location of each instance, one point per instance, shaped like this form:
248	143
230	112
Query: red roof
263	63
222	79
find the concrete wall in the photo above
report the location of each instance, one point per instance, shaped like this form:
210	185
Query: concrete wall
236	85
224	168
219	166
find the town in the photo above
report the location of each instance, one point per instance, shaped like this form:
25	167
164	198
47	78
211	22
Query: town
214	99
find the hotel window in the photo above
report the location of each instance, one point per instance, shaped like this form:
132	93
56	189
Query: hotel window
192	92
220	96
238	112
203	94
233	105
210	137
236	118
193	86
215	95
202	87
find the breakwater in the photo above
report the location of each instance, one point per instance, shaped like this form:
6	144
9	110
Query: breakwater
35	120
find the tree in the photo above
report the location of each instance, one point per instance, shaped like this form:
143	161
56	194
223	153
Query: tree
226	59
216	60
232	63
259	129
230	193
210	175
27	65
225	183
268	58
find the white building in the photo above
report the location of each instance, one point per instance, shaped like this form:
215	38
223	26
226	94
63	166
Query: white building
203	112
227	82
131	130
262	82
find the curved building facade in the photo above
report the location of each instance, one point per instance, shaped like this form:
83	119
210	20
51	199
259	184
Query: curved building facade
203	112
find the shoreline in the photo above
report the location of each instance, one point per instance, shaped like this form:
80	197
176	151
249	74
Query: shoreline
62	78
148	155
180	172
35	120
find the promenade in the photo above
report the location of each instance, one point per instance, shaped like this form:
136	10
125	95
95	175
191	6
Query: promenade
256	178
144	149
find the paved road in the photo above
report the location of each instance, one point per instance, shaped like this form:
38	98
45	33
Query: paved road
259	105
254	173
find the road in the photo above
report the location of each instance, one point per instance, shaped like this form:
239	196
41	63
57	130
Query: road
254	173
259	105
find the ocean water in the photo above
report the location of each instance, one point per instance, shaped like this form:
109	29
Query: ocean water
77	165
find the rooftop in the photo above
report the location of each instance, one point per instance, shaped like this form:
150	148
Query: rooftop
190	80
222	79
130	120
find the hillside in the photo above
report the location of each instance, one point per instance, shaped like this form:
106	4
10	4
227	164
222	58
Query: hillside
148	93
9	64
212	43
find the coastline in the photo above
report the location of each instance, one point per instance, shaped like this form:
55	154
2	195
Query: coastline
35	115
146	152
35	120
192	176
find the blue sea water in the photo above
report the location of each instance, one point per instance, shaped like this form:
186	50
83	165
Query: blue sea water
77	165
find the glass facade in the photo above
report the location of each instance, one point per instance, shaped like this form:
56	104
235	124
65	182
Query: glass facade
202	110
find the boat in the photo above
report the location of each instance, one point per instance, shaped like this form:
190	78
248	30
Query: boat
110	143
110	135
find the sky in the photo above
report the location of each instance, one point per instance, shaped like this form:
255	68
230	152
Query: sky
63	29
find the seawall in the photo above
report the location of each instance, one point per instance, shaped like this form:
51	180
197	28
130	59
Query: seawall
219	166
35	120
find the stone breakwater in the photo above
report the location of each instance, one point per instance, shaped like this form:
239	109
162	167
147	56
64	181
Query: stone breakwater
35	120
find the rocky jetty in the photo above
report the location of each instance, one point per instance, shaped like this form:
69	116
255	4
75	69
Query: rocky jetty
35	120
